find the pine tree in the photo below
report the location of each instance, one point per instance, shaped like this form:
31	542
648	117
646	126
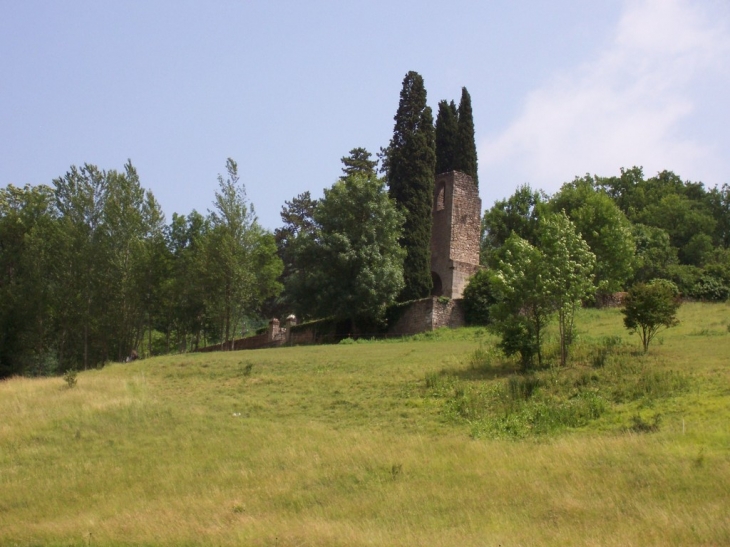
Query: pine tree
447	127
410	164
466	150
358	162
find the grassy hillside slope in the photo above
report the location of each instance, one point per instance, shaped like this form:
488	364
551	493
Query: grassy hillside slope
418	442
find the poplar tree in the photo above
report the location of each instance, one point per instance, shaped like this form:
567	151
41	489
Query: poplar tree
447	128
241	262
409	164
466	148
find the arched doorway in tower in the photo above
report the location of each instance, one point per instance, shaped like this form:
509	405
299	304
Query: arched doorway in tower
438	288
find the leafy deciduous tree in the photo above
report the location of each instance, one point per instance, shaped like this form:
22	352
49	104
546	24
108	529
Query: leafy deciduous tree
683	219
649	307
520	213
654	252
242	266
604	227
567	273
531	284
27	221
478	298
297	216
351	265
523	307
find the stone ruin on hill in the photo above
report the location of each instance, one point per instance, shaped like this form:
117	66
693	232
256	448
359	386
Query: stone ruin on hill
455	234
455	238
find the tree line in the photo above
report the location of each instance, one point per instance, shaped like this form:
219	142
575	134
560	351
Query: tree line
639	228
660	237
90	272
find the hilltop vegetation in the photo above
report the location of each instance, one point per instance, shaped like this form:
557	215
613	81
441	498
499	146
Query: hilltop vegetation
432	440
92	273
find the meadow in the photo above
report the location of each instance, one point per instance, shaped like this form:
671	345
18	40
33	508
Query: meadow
432	440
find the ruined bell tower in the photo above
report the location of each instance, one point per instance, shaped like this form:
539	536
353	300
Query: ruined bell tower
455	233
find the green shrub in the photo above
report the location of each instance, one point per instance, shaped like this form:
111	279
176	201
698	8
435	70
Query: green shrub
70	377
640	425
649	307
604	349
710	289
483	359
478	298
655	384
522	387
684	277
544	416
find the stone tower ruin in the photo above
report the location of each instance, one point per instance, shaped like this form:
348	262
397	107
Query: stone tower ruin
455	233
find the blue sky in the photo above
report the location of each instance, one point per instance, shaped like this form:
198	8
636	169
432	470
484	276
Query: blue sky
558	89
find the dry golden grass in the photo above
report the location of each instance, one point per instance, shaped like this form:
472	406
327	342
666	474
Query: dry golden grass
340	445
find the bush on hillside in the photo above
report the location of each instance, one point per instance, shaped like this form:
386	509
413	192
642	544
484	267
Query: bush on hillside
478	298
649	307
710	289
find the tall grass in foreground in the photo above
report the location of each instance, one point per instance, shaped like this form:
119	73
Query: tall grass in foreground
363	445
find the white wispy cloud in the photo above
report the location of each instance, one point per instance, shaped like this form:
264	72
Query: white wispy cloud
627	107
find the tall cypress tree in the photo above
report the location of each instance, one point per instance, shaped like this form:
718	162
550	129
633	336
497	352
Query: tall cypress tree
466	149
447	128
410	163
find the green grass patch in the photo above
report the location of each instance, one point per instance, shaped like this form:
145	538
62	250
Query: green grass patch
432	440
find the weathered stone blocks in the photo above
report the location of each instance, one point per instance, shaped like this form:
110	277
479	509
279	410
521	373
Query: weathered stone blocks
455	233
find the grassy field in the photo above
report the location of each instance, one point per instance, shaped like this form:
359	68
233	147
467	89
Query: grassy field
435	440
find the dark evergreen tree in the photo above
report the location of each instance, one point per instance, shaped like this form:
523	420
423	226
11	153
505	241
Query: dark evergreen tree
410	164
358	162
297	217
447	129
466	149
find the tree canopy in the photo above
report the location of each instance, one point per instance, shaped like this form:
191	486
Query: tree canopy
243	267
650	307
350	266
531	284
639	229
90	271
604	227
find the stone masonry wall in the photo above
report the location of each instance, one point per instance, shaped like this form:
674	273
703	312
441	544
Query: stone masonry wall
429	314
465	220
252	342
455	235
448	314
420	316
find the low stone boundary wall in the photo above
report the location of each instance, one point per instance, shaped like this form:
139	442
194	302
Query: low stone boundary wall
252	342
412	318
429	314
